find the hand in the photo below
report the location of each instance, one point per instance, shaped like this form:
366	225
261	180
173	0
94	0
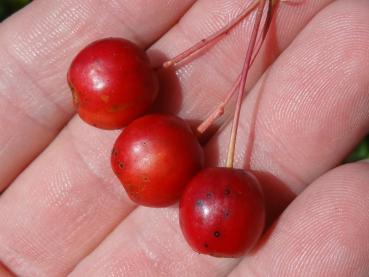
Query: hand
64	212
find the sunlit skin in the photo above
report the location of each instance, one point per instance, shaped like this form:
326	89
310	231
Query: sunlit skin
74	219
112	83
155	157
222	212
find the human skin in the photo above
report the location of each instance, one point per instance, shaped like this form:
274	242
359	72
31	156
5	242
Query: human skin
63	210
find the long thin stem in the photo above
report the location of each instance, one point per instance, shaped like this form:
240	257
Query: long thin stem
219	34
212	38
245	71
219	110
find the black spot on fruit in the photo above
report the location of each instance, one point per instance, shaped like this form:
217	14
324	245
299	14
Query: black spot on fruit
199	203
217	234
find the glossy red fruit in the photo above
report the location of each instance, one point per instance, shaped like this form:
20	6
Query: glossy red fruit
155	157
222	212
112	83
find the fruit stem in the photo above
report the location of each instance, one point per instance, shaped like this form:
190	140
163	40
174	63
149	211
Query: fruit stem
219	34
244	74
212	38
219	110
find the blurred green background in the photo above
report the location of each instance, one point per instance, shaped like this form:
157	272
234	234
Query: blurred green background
7	7
361	152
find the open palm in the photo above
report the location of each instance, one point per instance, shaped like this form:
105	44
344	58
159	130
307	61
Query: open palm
64	212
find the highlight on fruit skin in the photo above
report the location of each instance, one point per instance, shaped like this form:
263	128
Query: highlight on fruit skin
112	83
155	157
222	212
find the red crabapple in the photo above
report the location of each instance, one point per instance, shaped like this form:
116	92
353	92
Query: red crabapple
222	212
155	157
112	83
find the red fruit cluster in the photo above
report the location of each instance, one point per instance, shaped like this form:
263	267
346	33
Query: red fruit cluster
158	158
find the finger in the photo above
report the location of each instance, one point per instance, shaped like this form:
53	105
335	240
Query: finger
75	152
311	107
149	243
36	47
61	206
322	233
